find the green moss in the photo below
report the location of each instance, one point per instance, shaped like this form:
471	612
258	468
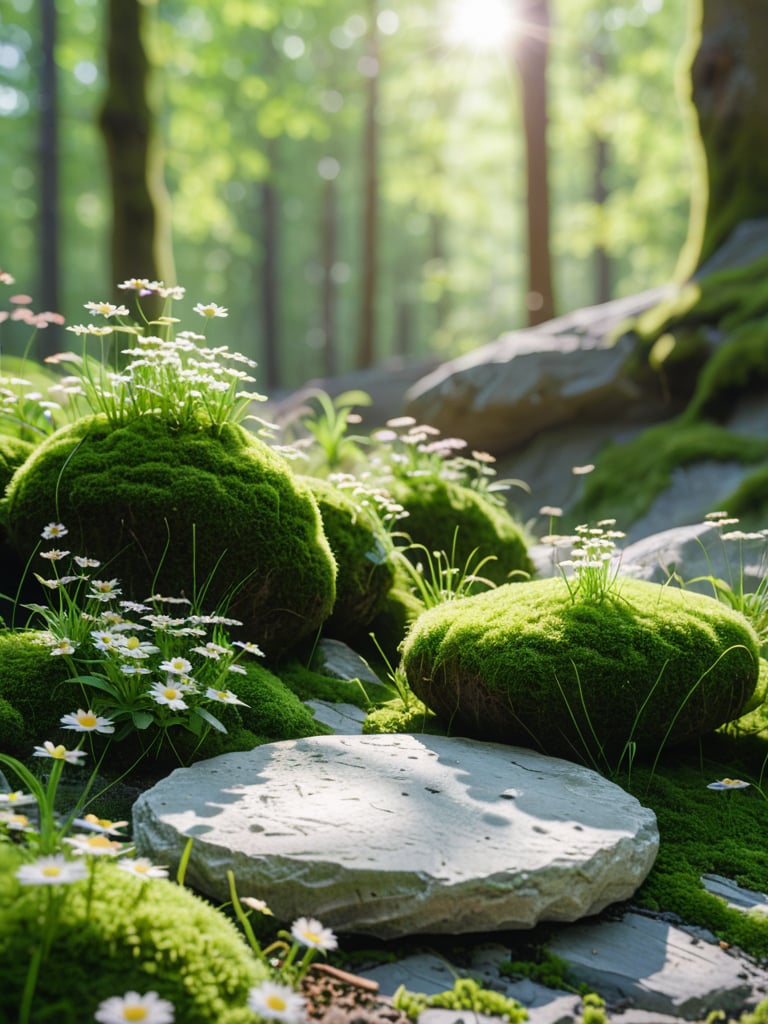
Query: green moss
467	995
628	476
361	548
399	716
274	711
180	511
130	935
436	507
706	832
735	368
525	664
34	685
307	684
13	453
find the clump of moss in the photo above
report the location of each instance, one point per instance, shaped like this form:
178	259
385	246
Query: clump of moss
124	934
13	452
706	832
34	686
362	550
184	511
629	476
436	507
466	994
525	663
402	716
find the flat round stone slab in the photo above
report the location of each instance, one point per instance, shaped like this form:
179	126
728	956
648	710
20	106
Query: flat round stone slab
393	835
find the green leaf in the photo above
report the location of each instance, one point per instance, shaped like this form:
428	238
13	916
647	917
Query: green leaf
212	720
142	719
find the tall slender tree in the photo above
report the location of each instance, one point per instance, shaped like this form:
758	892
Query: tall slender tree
127	127
48	135
532	56
366	346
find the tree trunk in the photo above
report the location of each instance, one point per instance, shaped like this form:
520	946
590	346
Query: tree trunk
126	124
366	348
532	54
270	273
328	245
729	88
48	295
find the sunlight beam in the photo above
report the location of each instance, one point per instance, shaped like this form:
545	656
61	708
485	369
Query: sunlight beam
482	25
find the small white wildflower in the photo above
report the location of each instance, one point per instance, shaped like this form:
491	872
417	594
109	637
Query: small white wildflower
53	870
210	310
54	530
223	696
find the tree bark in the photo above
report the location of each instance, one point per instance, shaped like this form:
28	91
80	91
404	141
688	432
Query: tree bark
270	272
729	88
532	55
126	124
49	175
366	347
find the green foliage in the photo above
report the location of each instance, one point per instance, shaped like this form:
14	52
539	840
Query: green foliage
363	552
435	506
466	994
628	476
402	716
122	933
334	449
707	832
542	967
184	512
34	685
525	664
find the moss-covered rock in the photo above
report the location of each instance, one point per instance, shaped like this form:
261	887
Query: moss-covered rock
13	452
436	507
183	512
526	664
34	686
127	934
362	551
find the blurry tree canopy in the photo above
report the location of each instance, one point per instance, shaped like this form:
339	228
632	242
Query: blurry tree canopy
348	178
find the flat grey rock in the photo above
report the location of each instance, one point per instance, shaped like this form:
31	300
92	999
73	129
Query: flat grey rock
335	658
696	551
657	966
342	718
395	835
735	895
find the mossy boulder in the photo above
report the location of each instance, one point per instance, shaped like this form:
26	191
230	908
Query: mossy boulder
126	934
33	691
13	452
525	664
362	550
436	507
183	512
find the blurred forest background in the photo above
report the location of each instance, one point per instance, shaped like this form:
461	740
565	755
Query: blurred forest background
347	177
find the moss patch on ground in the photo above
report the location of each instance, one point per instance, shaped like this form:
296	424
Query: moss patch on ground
708	832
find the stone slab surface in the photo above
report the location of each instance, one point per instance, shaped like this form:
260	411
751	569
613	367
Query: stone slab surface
397	835
658	967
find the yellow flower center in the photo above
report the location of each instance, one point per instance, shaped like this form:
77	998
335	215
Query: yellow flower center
276	1003
141	869
170	693
132	643
51	871
59	752
100	842
312	937
222	694
135	1013
88	721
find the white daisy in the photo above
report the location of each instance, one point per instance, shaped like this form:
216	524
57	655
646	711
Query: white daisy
87	721
148	1009
277	1002
59	753
54	530
142	867
172	696
309	932
223	696
53	870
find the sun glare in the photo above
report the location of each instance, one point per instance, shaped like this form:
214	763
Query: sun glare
481	24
